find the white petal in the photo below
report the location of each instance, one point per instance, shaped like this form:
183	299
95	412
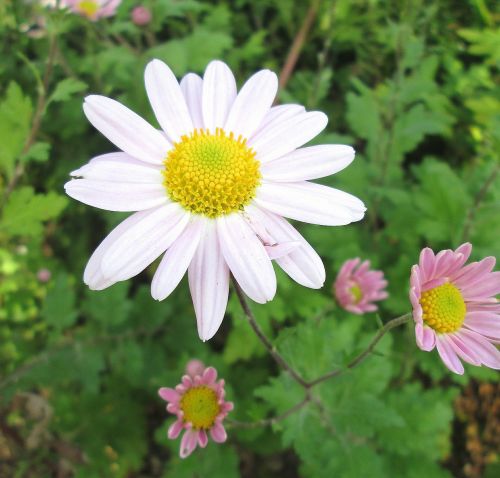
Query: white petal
219	92
247	258
303	264
114	196
167	100
120	168
309	163
310	202
285	136
209	283
126	129
176	260
281	249
141	243
192	88
276	115
93	275
252	103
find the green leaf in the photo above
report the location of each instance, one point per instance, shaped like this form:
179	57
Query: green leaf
110	307
15	118
38	152
66	88
26	211
59	308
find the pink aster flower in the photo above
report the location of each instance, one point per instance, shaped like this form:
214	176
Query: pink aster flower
200	407
455	309
357	287
211	189
93	9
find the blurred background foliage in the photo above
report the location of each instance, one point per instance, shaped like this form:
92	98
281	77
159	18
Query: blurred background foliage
412	85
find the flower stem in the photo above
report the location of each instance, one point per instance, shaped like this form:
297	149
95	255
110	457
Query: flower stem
359	358
265	341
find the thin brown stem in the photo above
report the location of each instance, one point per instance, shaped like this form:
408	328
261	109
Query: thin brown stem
363	355
298	43
477	201
37	119
267	422
265	341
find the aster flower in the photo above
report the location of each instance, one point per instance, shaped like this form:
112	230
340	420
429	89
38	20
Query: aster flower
357	287
211	188
93	9
200	407
455	309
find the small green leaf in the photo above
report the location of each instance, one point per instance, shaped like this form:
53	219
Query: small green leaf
66	88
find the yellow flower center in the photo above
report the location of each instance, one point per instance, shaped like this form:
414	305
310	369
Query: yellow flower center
200	407
356	293
443	308
88	7
211	174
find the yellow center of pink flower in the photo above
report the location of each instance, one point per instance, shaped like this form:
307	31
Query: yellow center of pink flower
356	293
88	7
211	174
443	308
200	407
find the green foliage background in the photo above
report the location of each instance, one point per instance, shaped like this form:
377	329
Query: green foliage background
412	85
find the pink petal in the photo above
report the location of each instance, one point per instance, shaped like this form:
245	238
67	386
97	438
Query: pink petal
169	394
209	375
448	355
218	433
487	353
427	263
202	438
426	337
488	287
188	443
463	350
484	323
175	429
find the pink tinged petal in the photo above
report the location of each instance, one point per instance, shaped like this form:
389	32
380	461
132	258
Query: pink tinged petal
484	350
176	260
218	433
119	168
209	283
169	394
202	438
484	323
93	276
188	443
277	251
275	116
288	135
310	202
175	429
247	258
141	243
252	103
488	287
308	163
219	93
113	196
427	264
167	100
209	375
473	272
463	350
126	129
448	355
415	279
192	88
303	264
426	337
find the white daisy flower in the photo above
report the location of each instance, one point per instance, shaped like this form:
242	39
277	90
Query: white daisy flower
210	190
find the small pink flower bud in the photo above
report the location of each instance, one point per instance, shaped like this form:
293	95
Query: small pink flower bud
141	16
